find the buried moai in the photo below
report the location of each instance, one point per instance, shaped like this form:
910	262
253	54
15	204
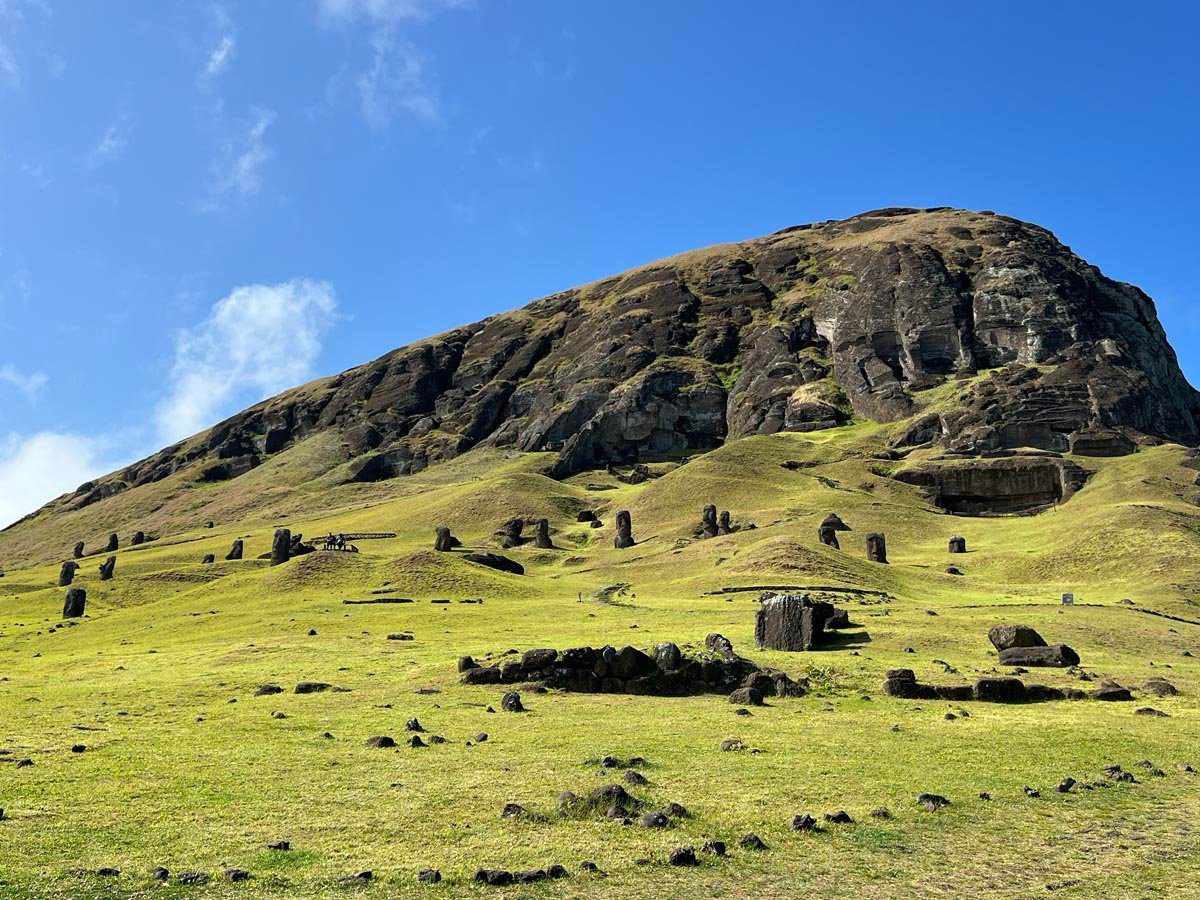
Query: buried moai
113	543
958	544
78	551
512	533
877	547
74	603
209	559
67	573
624	536
828	537
235	552
723	524
791	622
541	538
107	567
139	538
281	546
443	541
708	521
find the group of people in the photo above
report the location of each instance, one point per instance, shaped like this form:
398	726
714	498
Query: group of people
335	542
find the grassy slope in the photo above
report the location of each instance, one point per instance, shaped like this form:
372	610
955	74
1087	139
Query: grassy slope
176	774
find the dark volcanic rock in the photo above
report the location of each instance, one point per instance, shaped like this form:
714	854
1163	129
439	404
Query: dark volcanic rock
1005	637
66	575
541	538
235	552
1016	484
1059	655
958	544
443	541
107	568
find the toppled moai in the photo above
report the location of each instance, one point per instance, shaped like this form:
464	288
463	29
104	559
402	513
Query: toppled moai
541	539
624	536
235	552
958	544
708	522
67	574
281	546
107	567
791	622
877	547
74	604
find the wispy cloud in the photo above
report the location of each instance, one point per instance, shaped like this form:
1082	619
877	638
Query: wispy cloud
398	80
257	341
30	385
221	56
237	171
111	144
13	14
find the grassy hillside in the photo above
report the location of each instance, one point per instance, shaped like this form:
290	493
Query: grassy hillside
186	769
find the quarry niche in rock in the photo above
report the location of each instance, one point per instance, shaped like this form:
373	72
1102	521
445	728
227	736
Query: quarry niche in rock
1017	484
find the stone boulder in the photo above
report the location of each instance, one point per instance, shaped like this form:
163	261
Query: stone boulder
1005	637
1058	655
958	544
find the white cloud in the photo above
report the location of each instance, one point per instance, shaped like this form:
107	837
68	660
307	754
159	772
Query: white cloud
111	145
30	385
35	469
259	340
238	167
220	57
386	10
12	15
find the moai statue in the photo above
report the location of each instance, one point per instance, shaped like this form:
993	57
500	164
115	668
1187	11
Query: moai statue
828	536
235	552
708	521
107	567
67	574
113	544
281	546
876	547
791	622
78	552
139	538
74	604
542	538
444	542
958	544
209	558
624	530
512	533
723	524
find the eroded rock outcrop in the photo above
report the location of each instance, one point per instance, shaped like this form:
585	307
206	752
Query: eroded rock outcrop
794	331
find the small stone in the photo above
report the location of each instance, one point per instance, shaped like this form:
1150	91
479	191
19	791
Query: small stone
78	748
1064	786
512	811
654	820
481	737
841	817
158	873
880	813
236	875
588	866
1032	792
280	845
429	876
413	725
716	848
934	802
415	741
683	856
635	778
752	841
511	702
382	741
803	822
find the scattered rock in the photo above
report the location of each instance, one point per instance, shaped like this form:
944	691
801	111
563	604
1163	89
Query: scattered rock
683	856
934	802
752	841
511	702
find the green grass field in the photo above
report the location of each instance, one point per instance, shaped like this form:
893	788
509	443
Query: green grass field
185	768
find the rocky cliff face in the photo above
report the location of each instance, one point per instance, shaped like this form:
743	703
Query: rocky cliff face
800	330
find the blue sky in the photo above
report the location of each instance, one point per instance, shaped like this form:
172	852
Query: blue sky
202	203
